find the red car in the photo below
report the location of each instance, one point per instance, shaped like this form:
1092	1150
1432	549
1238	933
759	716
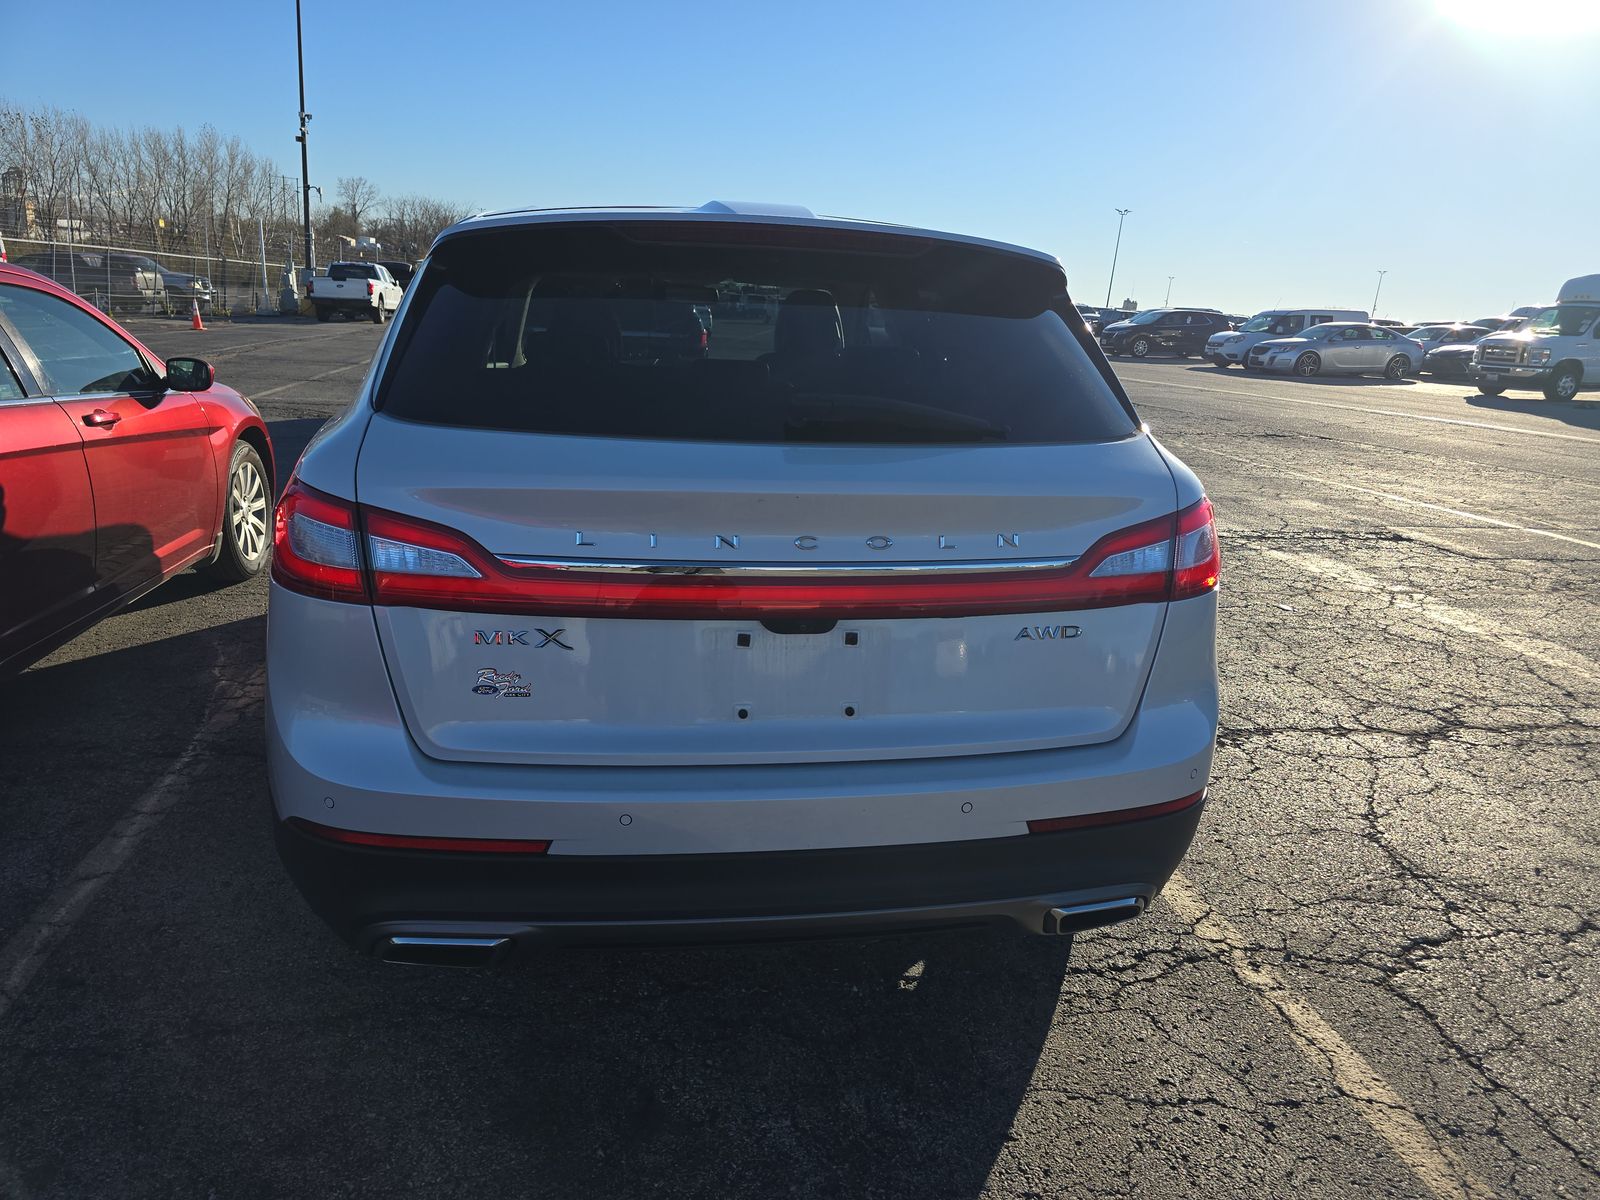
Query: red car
117	470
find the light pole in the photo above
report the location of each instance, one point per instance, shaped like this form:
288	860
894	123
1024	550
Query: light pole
1168	300
1122	215
1379	288
305	118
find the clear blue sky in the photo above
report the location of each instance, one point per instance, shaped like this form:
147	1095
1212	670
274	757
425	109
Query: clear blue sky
1273	152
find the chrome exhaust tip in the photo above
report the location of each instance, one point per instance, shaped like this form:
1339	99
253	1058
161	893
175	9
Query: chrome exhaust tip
444	951
1073	918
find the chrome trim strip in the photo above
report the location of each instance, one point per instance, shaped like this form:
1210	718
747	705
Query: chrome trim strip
808	570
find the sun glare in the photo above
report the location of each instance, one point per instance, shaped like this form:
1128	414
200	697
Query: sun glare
1552	19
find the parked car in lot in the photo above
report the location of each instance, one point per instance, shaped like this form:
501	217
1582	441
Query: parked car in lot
1340	348
403	272
889	615
1450	362
355	289
1499	324
1227	347
113	278
90	273
1431	337
1455	360
117	470
1557	351
178	288
1180	331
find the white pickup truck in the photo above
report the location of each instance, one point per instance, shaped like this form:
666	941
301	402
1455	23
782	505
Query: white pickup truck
355	289
1556	352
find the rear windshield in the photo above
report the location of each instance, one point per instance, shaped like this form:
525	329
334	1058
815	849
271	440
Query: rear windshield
352	271
790	334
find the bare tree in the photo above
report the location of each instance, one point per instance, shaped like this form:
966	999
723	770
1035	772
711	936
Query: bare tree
166	192
410	223
357	197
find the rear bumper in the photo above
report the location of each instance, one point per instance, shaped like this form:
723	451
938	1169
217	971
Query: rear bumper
757	851
370	896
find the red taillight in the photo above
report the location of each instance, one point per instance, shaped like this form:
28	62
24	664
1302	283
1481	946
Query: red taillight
420	565
323	545
316	545
395	841
369	287
1197	564
309	284
705	339
1116	816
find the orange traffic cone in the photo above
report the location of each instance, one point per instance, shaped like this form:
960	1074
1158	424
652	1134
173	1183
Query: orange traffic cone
195	322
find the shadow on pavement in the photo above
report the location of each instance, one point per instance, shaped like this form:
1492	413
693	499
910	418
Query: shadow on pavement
84	733
1205	368
1578	414
289	439
266	1059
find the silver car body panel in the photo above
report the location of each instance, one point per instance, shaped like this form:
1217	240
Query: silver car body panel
339	753
907	688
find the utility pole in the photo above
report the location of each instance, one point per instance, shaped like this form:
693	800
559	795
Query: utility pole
1122	215
1381	274
305	119
1168	300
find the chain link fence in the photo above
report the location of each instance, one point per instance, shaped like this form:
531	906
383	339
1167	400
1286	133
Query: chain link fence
135	279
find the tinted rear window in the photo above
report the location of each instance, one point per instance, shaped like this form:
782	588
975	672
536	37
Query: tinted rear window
656	330
352	271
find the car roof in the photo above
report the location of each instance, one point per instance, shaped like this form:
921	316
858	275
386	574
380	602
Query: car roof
715	211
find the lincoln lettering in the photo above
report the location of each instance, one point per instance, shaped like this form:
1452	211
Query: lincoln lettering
810	541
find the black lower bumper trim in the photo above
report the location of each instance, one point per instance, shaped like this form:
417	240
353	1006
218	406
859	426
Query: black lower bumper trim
369	895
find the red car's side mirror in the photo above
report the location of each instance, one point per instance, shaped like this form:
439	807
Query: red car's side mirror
189	375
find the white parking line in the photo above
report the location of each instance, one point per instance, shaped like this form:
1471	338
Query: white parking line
29	947
1357	1080
268	343
1278	398
308	379
1393	498
1535	649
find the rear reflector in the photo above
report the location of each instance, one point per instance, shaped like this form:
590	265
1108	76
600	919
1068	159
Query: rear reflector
394	841
1117	816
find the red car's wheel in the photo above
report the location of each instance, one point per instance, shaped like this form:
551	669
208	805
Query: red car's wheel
246	533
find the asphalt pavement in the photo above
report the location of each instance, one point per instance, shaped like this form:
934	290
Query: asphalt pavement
1375	975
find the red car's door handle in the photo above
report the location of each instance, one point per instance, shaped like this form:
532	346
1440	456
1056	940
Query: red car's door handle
101	418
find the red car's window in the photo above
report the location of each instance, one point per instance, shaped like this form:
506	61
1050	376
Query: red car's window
79	354
10	389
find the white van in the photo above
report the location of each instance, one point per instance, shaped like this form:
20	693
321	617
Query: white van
1557	352
1226	348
